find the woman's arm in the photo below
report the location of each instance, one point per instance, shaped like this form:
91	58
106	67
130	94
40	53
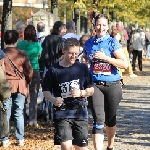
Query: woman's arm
119	60
28	70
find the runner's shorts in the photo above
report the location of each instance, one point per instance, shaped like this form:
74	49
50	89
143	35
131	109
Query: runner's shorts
71	129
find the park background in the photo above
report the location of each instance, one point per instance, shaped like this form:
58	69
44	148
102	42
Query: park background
129	11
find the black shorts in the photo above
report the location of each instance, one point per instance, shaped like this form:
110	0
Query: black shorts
71	129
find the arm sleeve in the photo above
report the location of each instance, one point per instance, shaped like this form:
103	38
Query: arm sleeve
84	48
48	81
115	45
142	41
28	70
44	59
40	48
126	35
88	78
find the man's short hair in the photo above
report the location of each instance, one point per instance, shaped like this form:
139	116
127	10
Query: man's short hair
71	42
20	24
40	27
70	24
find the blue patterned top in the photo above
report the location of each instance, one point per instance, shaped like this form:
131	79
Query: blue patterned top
101	70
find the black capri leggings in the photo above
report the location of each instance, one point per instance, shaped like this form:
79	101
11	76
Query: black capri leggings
104	103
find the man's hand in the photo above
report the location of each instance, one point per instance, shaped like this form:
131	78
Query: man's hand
75	92
59	101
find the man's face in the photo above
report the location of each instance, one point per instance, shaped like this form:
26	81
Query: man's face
71	54
20	29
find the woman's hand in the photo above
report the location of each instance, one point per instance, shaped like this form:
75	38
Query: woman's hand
100	55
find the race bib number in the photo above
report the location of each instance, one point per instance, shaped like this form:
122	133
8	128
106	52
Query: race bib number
67	86
102	68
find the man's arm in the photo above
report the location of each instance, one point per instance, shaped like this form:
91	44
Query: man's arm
82	93
57	101
87	92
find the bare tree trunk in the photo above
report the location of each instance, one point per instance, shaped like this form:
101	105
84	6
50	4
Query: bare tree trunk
6	19
54	4
54	9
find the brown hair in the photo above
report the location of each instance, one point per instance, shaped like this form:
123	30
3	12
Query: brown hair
114	33
92	33
83	39
100	16
30	33
71	42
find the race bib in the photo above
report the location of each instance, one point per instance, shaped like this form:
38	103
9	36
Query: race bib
67	86
102	68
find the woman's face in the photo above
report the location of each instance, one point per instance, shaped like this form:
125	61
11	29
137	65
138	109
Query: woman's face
101	27
63	31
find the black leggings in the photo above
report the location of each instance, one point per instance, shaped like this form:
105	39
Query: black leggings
104	103
136	54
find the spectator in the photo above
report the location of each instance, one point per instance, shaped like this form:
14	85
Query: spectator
70	26
19	90
143	37
147	39
20	26
63	32
92	33
40	32
41	36
82	41
138	44
123	33
33	49
52	45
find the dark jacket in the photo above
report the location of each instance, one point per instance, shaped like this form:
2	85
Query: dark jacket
52	50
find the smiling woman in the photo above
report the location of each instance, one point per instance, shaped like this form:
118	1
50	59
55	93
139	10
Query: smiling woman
105	55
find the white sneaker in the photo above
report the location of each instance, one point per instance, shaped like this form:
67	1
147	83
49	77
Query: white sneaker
133	75
6	143
20	142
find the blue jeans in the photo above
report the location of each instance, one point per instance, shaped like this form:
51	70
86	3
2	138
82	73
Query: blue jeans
148	51
34	90
16	101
